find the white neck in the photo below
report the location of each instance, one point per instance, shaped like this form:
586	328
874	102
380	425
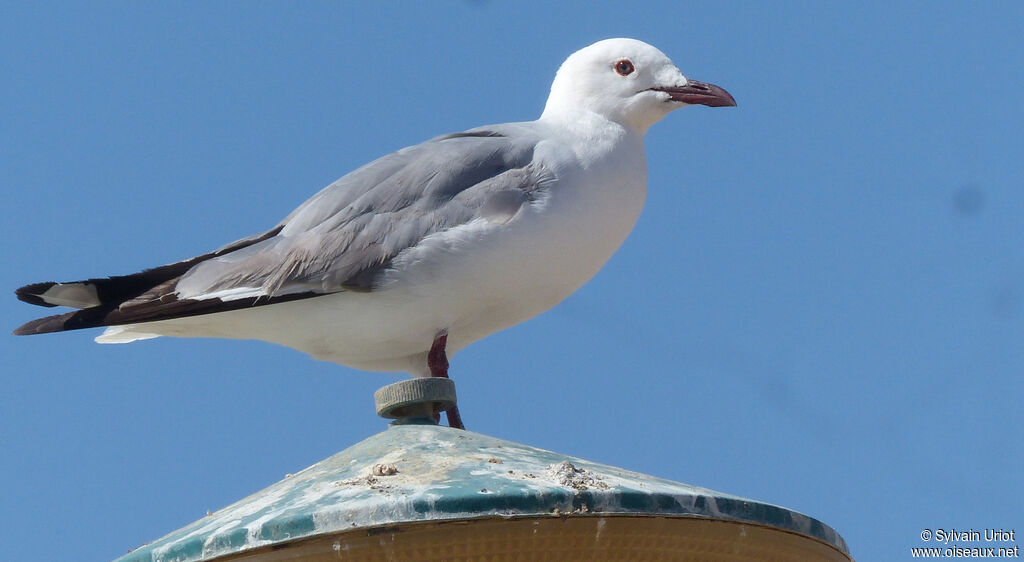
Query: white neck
597	141
588	127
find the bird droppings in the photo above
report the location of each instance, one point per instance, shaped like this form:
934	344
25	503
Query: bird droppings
372	480
577	478
523	475
495	460
368	481
383	470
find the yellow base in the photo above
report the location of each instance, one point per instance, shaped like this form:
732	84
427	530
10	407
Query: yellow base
557	539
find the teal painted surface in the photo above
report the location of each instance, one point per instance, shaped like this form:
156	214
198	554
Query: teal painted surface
445	474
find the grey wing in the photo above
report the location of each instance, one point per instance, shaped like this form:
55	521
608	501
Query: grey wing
346	235
343	238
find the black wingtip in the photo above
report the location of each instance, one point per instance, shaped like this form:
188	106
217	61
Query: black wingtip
46	325
23	330
30	293
75	320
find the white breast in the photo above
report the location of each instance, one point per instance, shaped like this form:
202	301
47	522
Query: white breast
482	278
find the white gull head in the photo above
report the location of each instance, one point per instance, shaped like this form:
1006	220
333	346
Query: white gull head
628	82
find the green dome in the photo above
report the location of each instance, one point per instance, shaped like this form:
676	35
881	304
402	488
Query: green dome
422	472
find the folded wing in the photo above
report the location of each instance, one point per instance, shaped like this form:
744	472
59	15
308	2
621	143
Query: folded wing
343	238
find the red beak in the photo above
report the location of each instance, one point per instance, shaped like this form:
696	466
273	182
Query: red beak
699	93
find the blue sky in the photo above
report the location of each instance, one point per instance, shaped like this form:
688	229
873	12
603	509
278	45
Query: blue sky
821	307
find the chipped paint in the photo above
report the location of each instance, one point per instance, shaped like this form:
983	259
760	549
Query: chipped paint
428	473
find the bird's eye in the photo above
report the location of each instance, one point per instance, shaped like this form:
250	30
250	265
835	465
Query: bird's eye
624	67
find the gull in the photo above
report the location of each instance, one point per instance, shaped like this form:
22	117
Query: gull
412	257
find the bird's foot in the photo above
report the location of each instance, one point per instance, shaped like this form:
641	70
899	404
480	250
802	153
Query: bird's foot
454	419
437	362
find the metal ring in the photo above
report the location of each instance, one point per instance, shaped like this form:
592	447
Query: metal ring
415	398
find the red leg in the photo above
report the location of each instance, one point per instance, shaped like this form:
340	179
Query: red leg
437	361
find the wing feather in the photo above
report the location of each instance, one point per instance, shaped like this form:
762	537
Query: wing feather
342	238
